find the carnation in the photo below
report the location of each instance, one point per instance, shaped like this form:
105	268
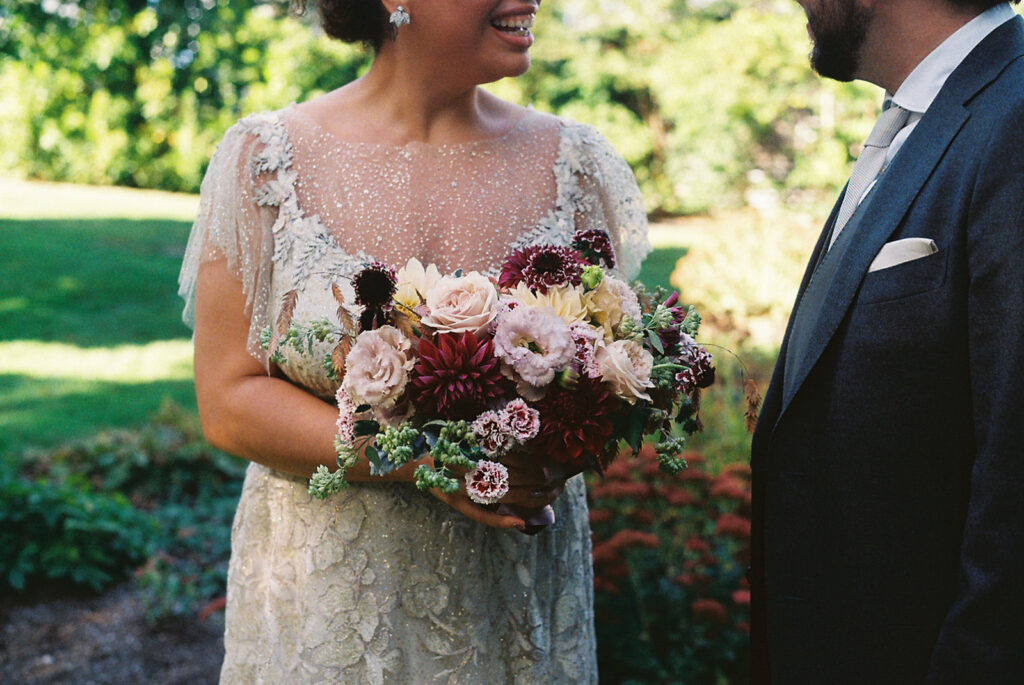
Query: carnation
533	344
492	433
464	304
487	483
346	416
378	367
626	366
699	363
522	420
586	339
541	267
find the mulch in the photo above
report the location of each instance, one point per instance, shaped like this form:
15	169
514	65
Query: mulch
101	639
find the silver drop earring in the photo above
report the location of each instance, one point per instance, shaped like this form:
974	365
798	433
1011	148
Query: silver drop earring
400	17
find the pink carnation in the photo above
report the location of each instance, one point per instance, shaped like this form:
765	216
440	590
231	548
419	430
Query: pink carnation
586	338
521	420
487	483
492	433
534	344
346	416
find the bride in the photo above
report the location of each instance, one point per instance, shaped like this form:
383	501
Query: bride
383	583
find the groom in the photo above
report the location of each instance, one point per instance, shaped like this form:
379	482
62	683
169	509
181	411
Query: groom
889	456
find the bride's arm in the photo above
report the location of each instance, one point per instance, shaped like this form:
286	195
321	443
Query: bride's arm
269	420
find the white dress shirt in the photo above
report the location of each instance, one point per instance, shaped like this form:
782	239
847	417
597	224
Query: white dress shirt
920	88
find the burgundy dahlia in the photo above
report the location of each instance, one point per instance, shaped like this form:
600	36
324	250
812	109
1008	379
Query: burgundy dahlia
576	423
456	378
375	286
595	246
541	267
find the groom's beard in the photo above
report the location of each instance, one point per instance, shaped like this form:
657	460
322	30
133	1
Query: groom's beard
837	28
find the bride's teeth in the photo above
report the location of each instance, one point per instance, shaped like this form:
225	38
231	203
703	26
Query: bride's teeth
521	23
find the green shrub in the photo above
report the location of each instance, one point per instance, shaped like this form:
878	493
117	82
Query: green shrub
706	104
670	558
189	489
68	533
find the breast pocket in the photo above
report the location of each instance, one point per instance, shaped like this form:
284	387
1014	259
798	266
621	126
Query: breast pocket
905	280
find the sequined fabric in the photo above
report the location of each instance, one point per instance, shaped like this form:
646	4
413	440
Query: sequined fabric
384	584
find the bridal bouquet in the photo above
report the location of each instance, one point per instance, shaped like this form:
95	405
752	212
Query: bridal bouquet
557	358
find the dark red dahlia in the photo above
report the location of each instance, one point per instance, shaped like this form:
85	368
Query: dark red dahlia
541	267
458	377
375	286
595	246
576	422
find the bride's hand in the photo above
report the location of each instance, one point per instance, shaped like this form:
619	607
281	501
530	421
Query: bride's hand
529	488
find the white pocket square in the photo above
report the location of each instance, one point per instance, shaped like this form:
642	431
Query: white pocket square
900	251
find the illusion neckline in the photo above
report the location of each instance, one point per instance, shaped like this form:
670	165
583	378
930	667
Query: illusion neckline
414	144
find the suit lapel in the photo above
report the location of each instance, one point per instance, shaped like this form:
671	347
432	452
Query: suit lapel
872	225
888	203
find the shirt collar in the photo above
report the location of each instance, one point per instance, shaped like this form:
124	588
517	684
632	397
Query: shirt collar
924	83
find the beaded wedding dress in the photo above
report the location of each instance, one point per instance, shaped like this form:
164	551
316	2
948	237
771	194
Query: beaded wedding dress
383	583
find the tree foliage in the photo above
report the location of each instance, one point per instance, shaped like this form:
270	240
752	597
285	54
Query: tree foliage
712	103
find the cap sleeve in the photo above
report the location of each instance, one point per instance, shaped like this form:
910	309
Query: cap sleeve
234	224
615	203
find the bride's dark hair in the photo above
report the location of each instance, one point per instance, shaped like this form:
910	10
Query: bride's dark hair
352	21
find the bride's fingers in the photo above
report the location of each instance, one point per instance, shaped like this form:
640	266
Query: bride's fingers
462	504
533	497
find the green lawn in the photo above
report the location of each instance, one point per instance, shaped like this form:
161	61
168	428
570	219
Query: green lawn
90	322
90	326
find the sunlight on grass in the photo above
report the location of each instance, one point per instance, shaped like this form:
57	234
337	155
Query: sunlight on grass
39	200
165	360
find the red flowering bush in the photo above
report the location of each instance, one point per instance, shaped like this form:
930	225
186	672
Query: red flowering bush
670	559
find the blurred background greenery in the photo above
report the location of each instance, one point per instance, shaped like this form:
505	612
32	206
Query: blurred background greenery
738	147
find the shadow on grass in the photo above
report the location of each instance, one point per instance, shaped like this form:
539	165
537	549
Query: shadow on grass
91	282
660	264
42	412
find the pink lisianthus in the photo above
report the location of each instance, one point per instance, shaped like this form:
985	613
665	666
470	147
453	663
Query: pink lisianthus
487	483
521	420
534	344
492	433
346	416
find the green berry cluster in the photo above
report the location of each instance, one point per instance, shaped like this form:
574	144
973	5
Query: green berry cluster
427	478
398	443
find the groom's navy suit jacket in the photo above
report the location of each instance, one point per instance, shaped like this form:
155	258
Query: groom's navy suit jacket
888	461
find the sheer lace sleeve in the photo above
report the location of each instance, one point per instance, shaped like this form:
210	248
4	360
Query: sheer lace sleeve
235	223
614	202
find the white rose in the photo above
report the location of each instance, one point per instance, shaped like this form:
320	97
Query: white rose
626	366
414	281
457	305
377	368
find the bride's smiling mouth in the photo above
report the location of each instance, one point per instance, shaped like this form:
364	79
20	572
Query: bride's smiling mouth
515	27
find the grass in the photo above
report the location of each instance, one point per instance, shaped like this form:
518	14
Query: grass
90	322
